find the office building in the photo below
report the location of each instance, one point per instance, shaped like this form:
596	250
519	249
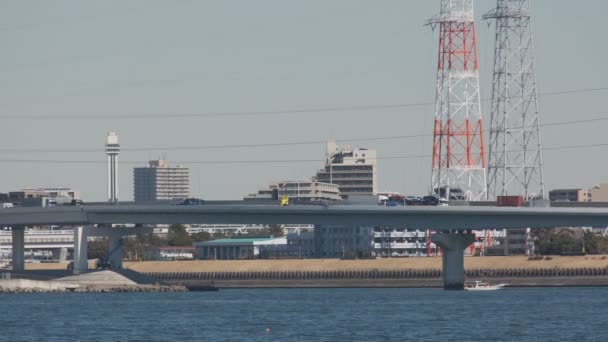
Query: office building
352	169
159	181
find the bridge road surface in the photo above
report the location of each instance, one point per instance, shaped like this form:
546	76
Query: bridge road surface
415	217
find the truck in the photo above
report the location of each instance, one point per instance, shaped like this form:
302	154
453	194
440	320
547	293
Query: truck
7	205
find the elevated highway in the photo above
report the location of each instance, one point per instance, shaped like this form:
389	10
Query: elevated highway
419	217
452	223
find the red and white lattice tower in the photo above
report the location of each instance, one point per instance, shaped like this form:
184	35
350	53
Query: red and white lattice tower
459	165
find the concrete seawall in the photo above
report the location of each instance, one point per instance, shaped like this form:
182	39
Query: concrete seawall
391	283
531	276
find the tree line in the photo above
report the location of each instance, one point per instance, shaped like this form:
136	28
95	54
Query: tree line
568	241
137	247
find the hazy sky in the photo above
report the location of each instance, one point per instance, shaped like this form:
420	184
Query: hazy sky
87	67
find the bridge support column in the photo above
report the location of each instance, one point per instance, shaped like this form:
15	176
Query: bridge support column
81	260
18	233
453	245
115	248
60	254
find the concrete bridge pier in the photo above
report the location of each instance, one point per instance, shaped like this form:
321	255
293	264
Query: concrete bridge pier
115	248
453	244
81	259
18	253
60	254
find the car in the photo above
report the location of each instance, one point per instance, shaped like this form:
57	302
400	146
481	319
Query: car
430	200
192	201
413	200
103	263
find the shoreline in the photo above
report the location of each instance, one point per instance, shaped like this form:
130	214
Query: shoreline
396	283
518	271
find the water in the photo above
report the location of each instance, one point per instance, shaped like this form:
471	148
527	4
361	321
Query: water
549	314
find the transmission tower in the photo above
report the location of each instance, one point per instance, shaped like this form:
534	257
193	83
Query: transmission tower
458	167
515	161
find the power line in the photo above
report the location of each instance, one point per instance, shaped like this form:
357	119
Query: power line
260	162
277	144
254	113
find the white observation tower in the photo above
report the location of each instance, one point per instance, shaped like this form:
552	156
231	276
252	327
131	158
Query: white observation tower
112	150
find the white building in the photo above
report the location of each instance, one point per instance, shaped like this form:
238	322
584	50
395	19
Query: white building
250	247
311	190
352	169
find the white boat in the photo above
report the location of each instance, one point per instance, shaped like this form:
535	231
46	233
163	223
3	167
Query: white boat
477	285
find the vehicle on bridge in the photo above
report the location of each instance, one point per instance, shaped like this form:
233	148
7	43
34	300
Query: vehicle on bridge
191	201
284	201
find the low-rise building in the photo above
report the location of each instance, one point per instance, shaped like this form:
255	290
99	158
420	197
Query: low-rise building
310	191
396	242
171	253
599	193
303	242
569	195
250	247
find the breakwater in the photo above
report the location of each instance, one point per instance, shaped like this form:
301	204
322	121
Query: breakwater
521	277
381	274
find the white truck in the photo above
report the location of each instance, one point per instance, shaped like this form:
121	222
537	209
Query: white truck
7	205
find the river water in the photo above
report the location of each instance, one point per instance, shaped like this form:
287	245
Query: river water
531	314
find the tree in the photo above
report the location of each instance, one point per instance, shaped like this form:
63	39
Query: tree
200	236
97	248
134	248
558	241
274	230
178	236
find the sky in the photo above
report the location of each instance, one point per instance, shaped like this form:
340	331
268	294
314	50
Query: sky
174	78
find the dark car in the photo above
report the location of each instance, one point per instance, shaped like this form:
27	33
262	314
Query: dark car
192	201
103	263
412	200
430	200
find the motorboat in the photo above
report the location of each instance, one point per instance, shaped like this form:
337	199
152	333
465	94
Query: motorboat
477	285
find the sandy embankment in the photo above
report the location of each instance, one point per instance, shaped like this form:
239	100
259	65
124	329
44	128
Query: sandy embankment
335	264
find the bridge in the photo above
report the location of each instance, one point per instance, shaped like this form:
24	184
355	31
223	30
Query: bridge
452	223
